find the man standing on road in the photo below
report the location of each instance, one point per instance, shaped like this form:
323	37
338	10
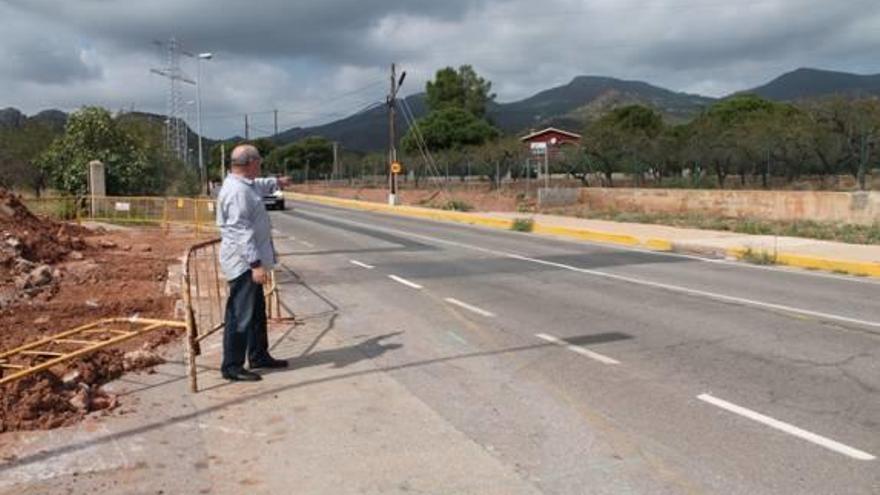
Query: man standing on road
246	257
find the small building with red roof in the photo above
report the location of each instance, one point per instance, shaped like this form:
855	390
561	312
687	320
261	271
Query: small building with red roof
550	139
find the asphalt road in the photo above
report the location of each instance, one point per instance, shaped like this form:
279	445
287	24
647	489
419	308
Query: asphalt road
595	369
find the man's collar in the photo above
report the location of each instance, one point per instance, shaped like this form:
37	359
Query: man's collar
242	178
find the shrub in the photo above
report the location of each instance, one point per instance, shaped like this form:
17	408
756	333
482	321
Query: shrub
522	225
457	205
758	257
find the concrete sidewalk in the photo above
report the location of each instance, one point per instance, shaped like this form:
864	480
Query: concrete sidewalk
854	259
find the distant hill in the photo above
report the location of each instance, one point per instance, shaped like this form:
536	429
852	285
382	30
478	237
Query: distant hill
588	97
55	119
365	131
11	118
814	83
569	106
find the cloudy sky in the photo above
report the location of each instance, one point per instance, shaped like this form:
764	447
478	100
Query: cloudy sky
318	60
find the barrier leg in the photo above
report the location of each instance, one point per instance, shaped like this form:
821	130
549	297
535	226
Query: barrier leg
191	334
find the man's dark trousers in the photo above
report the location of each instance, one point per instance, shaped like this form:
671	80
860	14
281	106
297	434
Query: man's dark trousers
245	330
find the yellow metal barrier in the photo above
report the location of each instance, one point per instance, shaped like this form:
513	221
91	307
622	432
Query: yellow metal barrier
198	213
204	294
56	349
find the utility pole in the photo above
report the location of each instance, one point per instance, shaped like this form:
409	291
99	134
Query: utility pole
202	170
175	126
222	161
393	166
247	134
392	149
547	167
335	161
276	123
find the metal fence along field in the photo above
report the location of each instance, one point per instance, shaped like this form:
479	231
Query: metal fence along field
198	213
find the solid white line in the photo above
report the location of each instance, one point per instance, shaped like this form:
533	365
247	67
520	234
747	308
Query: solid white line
404	282
307	244
362	265
787	428
733	264
468	307
701	293
578	349
632	280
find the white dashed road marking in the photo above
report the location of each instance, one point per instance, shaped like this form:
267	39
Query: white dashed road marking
787	428
404	282
578	349
468	307
362	265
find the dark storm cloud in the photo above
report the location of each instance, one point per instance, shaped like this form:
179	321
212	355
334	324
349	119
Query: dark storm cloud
298	56
333	31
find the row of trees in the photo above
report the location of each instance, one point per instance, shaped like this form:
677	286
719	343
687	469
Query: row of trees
308	158
38	156
746	136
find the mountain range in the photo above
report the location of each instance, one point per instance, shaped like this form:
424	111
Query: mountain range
569	106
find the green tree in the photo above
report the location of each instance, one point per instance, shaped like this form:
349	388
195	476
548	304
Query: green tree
451	127
172	176
307	158
92	134
624	139
462	89
19	148
849	130
731	135
671	146
495	159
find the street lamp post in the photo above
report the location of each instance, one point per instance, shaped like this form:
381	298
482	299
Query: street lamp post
202	171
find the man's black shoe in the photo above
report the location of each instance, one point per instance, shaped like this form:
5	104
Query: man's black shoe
269	363
241	375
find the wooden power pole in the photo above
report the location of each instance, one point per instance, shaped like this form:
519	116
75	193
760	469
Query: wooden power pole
392	149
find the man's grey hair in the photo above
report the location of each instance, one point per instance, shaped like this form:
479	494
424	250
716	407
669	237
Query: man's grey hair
243	154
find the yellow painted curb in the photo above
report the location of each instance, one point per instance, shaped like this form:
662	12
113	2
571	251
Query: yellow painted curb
587	235
863	268
409	211
499	223
656	244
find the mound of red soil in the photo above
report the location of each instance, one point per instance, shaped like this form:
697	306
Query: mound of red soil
88	275
38	240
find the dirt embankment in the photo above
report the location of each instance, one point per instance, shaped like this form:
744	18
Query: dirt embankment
54	277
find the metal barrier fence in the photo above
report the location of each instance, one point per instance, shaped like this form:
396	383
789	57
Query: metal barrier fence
204	295
204	292
204	289
144	210
44	353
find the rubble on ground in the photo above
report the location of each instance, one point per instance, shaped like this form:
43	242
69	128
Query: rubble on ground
56	276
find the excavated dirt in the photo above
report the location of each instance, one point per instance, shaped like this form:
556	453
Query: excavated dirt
54	277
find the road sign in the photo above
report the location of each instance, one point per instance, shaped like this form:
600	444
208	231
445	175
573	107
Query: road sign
396	168
538	148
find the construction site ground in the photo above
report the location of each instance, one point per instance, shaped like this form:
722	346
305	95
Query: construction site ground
335	422
55	277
